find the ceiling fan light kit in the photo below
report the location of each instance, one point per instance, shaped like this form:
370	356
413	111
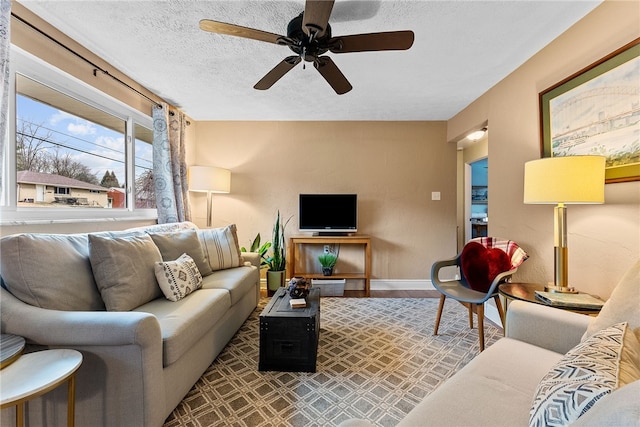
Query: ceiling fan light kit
309	37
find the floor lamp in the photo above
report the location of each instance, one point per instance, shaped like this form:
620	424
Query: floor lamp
562	181
209	179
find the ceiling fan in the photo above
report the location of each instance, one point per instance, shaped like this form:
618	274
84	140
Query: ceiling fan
309	36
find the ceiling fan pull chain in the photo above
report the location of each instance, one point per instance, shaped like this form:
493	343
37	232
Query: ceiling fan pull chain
303	54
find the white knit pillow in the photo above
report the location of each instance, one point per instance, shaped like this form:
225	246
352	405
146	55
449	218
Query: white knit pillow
178	278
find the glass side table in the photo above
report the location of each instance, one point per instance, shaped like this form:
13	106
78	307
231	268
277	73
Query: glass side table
527	292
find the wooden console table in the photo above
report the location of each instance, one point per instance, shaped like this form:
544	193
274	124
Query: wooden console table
364	241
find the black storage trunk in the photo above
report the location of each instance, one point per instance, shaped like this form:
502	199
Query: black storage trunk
289	336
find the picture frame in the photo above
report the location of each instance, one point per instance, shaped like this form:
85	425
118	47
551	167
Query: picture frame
596	111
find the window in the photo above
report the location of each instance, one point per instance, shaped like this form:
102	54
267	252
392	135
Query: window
60	190
72	146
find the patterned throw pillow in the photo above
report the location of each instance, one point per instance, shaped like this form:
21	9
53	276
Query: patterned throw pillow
178	278
221	247
587	373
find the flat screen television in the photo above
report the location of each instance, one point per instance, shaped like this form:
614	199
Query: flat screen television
328	214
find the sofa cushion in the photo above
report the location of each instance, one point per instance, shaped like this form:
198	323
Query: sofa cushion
50	271
583	376
237	281
183	323
123	268
173	245
178	278
622	306
221	247
507	372
480	265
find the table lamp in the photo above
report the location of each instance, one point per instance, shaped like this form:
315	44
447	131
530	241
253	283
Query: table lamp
209	179
562	181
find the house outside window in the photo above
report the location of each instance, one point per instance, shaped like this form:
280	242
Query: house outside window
73	146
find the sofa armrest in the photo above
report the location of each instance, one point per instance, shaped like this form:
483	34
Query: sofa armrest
547	327
77	328
252	257
121	377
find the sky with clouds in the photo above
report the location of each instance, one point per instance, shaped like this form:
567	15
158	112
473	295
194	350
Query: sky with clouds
98	147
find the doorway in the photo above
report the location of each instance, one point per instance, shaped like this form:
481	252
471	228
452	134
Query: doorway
479	198
473	188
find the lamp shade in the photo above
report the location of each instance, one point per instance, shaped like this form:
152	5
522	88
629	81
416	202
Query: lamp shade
209	178
569	180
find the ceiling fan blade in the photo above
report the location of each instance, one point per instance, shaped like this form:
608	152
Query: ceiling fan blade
238	31
277	72
392	40
332	75
316	16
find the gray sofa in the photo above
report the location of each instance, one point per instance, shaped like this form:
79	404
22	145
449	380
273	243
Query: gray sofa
138	361
534	365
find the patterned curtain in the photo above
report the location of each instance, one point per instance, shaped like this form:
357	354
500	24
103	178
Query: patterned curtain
169	165
5	20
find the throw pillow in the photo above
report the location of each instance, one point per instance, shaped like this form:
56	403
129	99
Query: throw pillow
124	270
221	247
480	265
622	306
178	278
50	271
172	245
584	375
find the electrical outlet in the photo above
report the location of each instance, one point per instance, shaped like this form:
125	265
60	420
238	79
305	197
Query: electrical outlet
327	249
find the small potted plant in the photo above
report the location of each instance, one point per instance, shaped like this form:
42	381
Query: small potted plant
328	261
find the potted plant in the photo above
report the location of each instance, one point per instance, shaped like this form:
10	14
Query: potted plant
328	261
260	249
277	262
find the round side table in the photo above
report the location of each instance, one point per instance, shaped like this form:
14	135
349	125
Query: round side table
34	374
527	292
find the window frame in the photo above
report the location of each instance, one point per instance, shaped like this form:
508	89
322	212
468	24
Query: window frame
28	65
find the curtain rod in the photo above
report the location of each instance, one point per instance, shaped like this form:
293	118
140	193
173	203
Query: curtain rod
96	67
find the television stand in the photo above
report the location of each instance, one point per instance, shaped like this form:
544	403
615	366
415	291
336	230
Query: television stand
365	241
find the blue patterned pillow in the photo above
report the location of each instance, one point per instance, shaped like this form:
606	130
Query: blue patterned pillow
587	373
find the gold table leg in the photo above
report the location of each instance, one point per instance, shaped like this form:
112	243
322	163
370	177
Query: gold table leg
71	401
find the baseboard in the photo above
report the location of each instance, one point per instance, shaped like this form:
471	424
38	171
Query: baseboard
401	285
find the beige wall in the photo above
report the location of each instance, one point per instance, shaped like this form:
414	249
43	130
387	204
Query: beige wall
604	240
392	166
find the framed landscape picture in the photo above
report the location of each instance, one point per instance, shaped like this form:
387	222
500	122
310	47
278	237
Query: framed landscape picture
597	112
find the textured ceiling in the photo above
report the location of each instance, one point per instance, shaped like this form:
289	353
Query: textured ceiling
461	49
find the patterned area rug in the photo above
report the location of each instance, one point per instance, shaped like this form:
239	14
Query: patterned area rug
377	359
